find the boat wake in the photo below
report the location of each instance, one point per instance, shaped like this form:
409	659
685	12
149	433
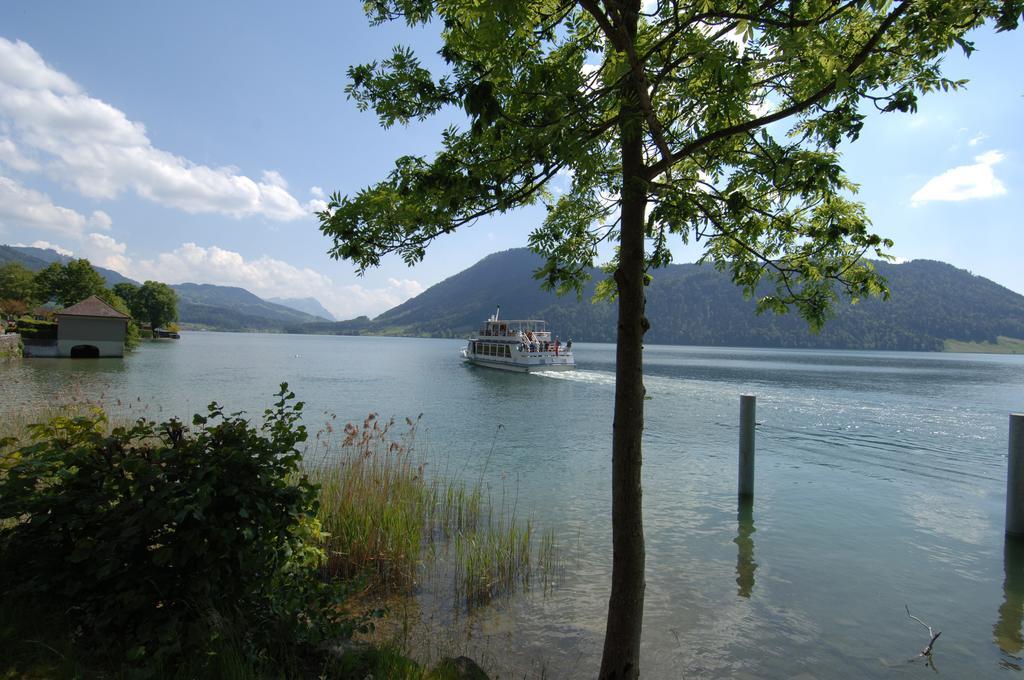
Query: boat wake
590	377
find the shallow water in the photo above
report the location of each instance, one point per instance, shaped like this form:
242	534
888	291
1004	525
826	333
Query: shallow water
880	484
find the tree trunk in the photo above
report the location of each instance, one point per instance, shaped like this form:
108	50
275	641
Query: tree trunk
621	656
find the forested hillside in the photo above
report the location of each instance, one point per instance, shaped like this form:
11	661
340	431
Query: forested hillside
37	259
233	309
687	304
695	305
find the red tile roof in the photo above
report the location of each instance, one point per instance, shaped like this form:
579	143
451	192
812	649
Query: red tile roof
92	306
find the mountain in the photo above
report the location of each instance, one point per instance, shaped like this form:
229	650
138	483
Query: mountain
233	309
933	304
309	305
14	254
690	304
204	305
37	259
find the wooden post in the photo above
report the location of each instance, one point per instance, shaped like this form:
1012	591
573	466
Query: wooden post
1015	477
748	411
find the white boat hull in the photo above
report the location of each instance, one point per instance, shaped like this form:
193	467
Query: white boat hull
521	367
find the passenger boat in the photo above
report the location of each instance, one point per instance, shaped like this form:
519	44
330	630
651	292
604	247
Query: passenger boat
518	345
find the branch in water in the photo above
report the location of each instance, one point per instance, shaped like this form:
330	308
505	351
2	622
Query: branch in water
927	651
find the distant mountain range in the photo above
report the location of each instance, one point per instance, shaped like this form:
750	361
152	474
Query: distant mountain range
933	305
308	305
37	259
200	305
932	302
228	308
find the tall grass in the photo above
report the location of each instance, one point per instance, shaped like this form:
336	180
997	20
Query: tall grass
391	521
388	520
74	401
373	500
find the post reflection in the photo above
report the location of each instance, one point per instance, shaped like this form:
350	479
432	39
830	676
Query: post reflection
745	564
1007	631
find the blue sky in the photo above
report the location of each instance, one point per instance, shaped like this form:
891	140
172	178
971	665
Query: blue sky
190	141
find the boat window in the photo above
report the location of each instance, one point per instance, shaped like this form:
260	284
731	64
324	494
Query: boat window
508	352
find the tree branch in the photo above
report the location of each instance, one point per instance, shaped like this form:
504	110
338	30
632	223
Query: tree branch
796	107
927	651
602	20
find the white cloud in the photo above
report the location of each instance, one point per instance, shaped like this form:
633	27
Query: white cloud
104	251
107	244
22	67
11	156
977	139
315	205
100	220
264	276
94	147
46	245
964	182
761	108
273	178
348	302
24	208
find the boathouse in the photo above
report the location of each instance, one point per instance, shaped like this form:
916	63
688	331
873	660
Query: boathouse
91	328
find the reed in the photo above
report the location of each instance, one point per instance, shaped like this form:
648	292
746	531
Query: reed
74	402
392	522
373	500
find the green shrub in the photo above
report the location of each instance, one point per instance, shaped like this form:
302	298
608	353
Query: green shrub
150	536
37	330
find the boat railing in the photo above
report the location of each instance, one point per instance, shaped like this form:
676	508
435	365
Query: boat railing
561	351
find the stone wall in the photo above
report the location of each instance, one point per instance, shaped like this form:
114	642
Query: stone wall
10	345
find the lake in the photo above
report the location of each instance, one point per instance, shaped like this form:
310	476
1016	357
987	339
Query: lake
880	484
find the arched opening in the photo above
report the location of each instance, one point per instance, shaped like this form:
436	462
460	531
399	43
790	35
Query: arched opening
85	352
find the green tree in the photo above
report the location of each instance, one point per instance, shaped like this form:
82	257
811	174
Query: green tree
17	282
715	120
155	303
47	281
132	336
68	284
125	291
